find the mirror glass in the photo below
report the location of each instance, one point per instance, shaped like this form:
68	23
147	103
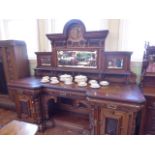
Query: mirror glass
78	59
114	63
45	61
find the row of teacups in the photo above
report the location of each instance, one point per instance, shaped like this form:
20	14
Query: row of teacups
46	79
67	79
80	79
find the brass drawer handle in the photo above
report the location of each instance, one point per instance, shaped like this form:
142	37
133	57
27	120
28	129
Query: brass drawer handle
111	106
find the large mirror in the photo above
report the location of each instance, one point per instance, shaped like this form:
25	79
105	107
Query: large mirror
78	59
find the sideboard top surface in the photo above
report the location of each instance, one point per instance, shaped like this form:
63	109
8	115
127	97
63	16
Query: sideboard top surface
116	92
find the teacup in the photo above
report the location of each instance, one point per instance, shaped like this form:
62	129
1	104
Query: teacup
55	81
54	78
82	84
92	81
45	77
68	82
44	80
95	85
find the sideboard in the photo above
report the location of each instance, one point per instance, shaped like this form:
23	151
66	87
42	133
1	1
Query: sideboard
109	110
113	109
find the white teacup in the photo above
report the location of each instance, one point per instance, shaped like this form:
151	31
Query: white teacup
55	81
45	77
95	85
44	80
54	78
92	82
82	84
68	82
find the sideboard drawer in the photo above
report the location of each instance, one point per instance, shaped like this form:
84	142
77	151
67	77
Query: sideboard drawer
69	94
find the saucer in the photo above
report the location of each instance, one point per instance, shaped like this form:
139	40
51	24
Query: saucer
95	86
54	82
44	81
82	85
104	83
92	81
69	83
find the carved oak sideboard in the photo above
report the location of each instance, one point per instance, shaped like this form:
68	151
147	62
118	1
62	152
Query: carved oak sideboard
113	109
108	110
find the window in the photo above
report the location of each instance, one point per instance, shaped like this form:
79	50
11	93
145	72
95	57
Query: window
25	30
134	34
90	24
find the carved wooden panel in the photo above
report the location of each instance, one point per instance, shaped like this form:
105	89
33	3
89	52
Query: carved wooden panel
115	122
150	116
28	105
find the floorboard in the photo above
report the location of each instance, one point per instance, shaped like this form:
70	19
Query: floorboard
7	115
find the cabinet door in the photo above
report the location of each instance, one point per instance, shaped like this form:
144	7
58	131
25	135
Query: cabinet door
113	122
28	109
150	116
23	107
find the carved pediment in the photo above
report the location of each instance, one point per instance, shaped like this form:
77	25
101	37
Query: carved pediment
75	36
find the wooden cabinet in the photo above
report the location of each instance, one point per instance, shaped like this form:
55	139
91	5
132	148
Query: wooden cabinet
14	65
114	122
116	118
150	116
110	109
91	111
28	105
149	126
148	87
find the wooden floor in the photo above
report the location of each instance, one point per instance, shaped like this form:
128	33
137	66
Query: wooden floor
7	116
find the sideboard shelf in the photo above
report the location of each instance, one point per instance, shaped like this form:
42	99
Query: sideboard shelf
72	120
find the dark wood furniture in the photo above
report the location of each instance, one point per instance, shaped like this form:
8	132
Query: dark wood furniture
94	110
14	65
16	127
112	109
148	87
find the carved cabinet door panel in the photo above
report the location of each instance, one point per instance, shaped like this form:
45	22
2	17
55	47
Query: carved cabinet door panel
113	122
150	116
28	109
23	107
